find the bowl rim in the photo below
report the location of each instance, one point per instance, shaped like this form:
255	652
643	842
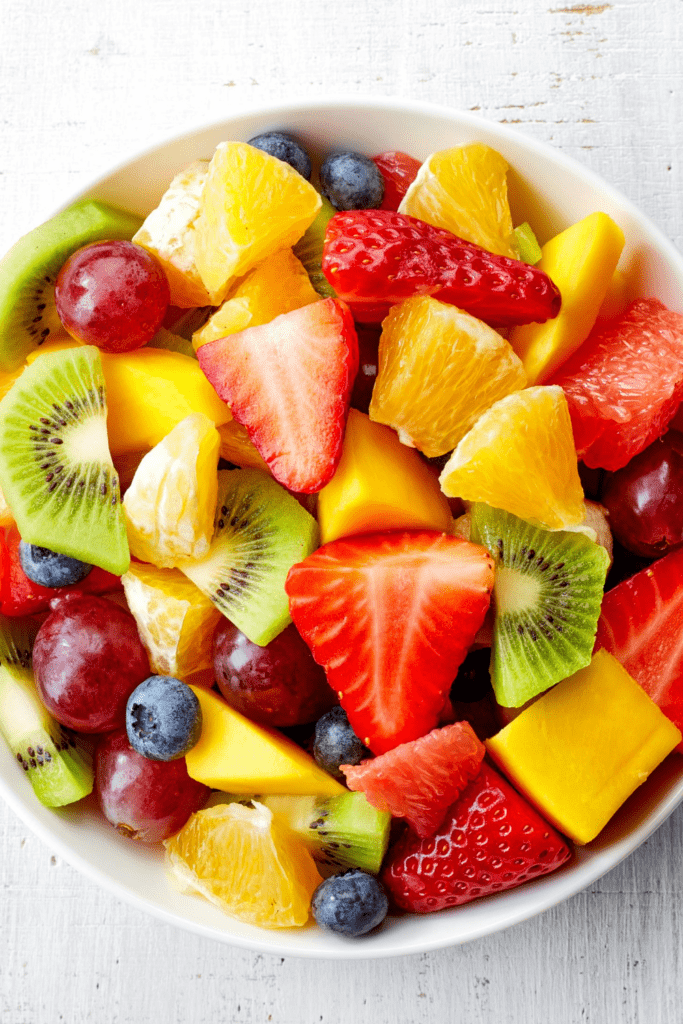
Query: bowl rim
540	897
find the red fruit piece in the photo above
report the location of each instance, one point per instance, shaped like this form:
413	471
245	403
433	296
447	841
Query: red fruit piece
491	840
399	172
421	779
641	624
21	596
624	384
375	258
390	618
289	383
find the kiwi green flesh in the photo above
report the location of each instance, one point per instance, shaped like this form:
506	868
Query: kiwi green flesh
58	769
260	532
547	594
172	343
29	270
309	249
341	831
56	471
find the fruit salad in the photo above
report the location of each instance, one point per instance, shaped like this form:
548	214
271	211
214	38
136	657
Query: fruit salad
341	530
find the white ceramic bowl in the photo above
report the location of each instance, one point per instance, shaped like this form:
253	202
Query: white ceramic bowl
551	191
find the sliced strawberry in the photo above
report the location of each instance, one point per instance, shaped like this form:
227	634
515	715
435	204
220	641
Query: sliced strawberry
289	383
375	258
399	172
390	618
21	596
641	624
419	780
490	840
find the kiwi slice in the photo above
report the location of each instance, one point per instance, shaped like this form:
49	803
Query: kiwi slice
260	532
309	249
29	270
340	831
547	594
55	468
59	770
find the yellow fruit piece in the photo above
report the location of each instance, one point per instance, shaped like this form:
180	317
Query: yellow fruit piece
171	502
439	370
580	750
238	756
149	392
169	234
278	285
251	206
379	484
176	622
581	262
520	457
464	190
245	862
237	448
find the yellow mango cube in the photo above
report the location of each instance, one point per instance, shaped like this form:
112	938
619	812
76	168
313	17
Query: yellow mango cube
580	750
581	262
380	484
238	756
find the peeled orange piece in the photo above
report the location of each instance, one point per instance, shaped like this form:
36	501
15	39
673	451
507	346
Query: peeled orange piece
176	622
171	502
242	860
439	370
251	206
520	457
278	285
464	190
169	234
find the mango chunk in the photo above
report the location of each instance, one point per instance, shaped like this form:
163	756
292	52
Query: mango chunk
580	750
380	484
238	756
581	262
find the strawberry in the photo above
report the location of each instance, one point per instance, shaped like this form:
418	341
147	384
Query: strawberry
390	617
419	780
399	172
490	840
289	383
640	624
376	258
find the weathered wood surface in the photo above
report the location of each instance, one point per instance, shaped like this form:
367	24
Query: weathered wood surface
83	84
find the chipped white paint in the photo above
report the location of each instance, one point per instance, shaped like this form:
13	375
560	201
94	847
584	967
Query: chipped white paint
80	84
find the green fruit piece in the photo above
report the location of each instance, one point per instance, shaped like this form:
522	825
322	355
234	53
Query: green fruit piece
29	270
547	594
309	249
55	468
172	343
58	768
260	532
527	244
340	831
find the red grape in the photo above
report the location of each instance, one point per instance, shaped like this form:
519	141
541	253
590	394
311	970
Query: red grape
144	800
113	295
279	685
87	660
645	498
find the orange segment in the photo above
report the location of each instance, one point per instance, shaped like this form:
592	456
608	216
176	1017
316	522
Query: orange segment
245	862
251	206
520	457
276	286
237	448
439	370
176	622
464	190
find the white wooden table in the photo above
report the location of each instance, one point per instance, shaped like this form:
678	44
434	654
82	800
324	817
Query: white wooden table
83	84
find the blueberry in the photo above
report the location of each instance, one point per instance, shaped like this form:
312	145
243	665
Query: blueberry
50	569
285	148
163	718
351	182
336	743
352	903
